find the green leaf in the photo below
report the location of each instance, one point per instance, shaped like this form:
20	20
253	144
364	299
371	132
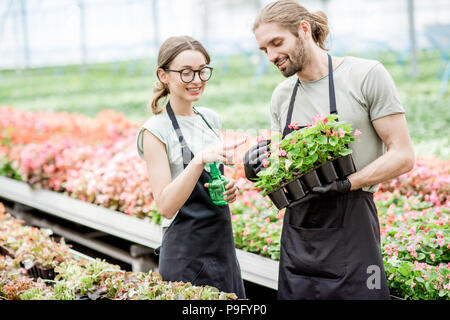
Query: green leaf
333	141
345	152
322	139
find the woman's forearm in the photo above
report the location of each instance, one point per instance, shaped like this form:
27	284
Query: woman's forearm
175	194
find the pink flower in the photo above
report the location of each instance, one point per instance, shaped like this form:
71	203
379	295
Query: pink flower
357	132
265	163
341	132
320	117
282	153
294	125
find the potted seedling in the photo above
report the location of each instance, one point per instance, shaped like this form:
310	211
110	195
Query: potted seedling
306	158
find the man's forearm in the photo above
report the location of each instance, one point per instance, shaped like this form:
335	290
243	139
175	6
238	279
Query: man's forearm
390	165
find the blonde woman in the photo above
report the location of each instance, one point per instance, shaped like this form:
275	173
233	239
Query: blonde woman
176	143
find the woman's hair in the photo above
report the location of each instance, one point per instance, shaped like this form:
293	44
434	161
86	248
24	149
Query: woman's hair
289	14
168	51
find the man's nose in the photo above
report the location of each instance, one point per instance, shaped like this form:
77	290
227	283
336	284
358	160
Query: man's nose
272	55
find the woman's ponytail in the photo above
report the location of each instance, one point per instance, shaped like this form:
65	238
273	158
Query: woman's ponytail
160	91
320	28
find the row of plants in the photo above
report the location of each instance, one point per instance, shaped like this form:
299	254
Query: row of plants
76	279
111	174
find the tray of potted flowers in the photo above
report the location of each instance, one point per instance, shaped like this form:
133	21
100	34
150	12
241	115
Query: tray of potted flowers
308	157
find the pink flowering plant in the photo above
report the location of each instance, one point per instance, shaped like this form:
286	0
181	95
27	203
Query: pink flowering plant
305	149
256	224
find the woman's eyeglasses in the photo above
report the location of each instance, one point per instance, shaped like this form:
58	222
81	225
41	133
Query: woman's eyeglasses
187	75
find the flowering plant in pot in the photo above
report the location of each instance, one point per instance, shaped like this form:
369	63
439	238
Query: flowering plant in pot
304	150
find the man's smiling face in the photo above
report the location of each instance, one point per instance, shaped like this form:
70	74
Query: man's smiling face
283	48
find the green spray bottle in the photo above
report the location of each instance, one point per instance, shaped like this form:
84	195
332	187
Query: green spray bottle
216	185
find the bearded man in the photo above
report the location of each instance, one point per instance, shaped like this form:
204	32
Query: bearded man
330	244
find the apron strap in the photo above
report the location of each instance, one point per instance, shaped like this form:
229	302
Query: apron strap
333	109
207	123
187	154
286	130
331	93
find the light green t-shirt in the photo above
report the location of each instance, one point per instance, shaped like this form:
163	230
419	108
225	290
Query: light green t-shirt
364	92
196	133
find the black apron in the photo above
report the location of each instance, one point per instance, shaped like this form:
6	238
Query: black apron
330	246
198	247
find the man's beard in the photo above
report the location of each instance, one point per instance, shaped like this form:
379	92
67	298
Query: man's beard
298	61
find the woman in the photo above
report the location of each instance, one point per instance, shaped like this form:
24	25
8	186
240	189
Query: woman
176	143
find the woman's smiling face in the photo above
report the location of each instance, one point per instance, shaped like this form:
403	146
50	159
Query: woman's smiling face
193	90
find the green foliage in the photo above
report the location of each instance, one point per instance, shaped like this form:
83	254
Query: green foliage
304	149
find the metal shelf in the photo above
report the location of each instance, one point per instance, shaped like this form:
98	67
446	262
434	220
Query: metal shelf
254	268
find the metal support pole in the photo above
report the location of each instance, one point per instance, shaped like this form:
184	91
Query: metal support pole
156	38
412	39
26	46
205	22
83	47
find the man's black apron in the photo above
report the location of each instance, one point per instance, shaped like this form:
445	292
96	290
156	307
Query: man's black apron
198	247
330	246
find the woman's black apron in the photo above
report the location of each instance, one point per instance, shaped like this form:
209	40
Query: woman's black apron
330	246
198	247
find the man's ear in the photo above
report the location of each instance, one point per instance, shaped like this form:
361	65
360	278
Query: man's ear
304	29
162	75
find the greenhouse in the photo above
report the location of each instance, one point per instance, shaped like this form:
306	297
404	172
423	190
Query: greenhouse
109	143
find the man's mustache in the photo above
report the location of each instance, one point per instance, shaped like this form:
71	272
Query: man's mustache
280	58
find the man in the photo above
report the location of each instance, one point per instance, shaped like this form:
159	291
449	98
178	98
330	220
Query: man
330	245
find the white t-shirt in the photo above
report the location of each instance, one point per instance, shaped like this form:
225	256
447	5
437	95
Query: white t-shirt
195	131
364	92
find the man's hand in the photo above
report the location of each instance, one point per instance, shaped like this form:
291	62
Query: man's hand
334	188
253	159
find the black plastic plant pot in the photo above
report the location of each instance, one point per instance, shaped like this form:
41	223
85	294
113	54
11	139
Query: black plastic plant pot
345	165
327	173
33	272
4	251
48	274
295	189
279	198
311	179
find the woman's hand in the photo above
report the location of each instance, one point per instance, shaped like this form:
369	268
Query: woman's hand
222	152
231	191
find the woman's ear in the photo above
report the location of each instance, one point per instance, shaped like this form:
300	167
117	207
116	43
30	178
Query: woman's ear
162	75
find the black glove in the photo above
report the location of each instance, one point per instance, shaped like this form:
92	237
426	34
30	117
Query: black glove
253	159
334	188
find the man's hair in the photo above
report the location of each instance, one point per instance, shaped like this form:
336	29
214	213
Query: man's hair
289	14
